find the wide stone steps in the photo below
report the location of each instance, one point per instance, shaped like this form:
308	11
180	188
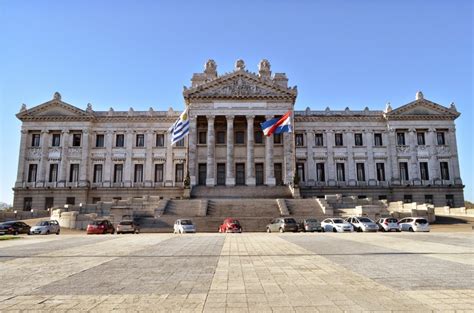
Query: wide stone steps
243	208
241	192
184	208
304	208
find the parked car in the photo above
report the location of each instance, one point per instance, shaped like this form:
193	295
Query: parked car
362	223
182	226
46	228
14	228
310	224
230	225
414	224
128	226
100	227
388	224
282	225
336	225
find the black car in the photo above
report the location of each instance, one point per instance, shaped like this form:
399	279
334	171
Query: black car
14	228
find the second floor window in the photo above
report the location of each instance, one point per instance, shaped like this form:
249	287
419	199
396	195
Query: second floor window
180	143
53	173
340	172
179	174
160	140
118	173
99	141
220	137
277	139
258	136
119	140
378	139
32	169
424	171
74	173
338	139
97	173
444	170
440	138
400	139
56	140
138	173
360	171
319	142
403	167
380	167
202	138
358	140
239	137
140	140
320	172
158	173
299	139
35	140
76	140
420	138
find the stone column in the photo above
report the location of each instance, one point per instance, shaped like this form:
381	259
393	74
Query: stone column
250	180
41	180
310	141
20	178
85	153
392	156
433	167
148	168
455	175
331	166
192	150
349	142
413	172
108	178
128	169
169	161
230	177
64	158
269	167
210	179
370	173
289	157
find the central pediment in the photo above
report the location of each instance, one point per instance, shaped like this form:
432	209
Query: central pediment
241	84
423	109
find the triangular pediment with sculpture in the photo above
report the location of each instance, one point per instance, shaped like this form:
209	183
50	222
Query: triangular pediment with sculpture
55	108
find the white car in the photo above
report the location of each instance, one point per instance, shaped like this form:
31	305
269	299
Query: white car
46	228
414	224
336	225
182	226
362	223
388	224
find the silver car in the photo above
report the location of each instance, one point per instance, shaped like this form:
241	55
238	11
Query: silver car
337	225
414	224
388	224
182	226
46	228
310	225
362	223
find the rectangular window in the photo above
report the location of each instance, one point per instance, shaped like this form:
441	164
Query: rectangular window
338	139
160	140
299	140
97	173
277	139
99	140
360	171
382	197
319	142
74	173
400	139
239	137
358	140
140	140
27	203
118	173
450	200
300	171
32	170
53	173
76	140
56	140
444	170
259	177
340	172
158	173
35	140
202	138
408	198
138	173
429	199
95	200
320	176
258	136
180	143
420	138
119	140
440	138
378	139
179	175
403	167
424	171
220	137
48	202
380	167
71	200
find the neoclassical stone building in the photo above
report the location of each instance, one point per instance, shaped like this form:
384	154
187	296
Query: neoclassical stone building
70	155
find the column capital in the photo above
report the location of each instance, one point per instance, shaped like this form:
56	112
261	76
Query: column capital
268	117
210	117
230	117
250	117
24	131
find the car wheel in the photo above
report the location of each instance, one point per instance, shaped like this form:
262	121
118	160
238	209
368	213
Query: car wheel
282	230
411	229
323	229
57	233
334	230
47	232
268	230
16	232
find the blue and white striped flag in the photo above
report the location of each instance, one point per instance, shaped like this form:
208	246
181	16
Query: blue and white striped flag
180	128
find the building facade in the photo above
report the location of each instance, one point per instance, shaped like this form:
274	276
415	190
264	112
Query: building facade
71	156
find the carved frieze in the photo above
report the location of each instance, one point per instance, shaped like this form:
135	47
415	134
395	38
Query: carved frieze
54	153
34	153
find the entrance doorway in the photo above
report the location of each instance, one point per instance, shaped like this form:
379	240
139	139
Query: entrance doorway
202	174
240	173
221	173
278	172
259	173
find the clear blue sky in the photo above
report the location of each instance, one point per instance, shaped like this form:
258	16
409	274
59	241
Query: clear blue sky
141	53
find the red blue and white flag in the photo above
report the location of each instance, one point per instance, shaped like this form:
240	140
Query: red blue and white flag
278	125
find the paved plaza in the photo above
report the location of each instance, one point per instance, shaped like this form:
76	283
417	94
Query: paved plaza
250	272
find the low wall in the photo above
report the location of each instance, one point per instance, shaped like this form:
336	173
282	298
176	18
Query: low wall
23	215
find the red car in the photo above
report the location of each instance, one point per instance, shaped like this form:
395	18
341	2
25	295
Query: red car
230	225
100	227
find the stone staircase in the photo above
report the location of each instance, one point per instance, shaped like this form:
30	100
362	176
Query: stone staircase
241	192
242	208
304	208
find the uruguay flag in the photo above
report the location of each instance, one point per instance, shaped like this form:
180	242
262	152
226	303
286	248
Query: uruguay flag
277	125
180	128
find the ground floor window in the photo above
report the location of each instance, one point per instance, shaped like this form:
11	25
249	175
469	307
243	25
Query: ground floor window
278	173
450	200
202	173
382	197
71	200
429	199
408	198
259	173
27	203
48	202
158	173
300	171
179	175
240	173
95	200
221	173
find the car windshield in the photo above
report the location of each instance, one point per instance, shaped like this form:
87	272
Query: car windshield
98	222
290	220
392	220
311	220
338	221
365	220
186	222
43	223
233	222
421	221
126	223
